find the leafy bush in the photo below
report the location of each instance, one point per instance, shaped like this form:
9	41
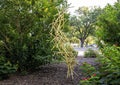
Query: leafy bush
6	68
25	37
90	75
87	69
92	80
91	53
108	35
108	25
110	65
108	72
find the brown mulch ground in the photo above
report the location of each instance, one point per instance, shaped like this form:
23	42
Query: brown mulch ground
53	74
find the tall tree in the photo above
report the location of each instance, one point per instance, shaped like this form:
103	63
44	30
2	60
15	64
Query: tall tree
84	23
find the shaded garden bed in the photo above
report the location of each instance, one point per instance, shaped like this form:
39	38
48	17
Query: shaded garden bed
52	74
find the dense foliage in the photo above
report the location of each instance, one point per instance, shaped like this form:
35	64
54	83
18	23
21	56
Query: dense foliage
108	32
25	26
108	71
6	68
109	23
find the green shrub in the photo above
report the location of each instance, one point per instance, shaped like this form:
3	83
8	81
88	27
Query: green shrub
110	65
92	80
6	68
90	75
91	53
87	69
108	72
108	35
27	42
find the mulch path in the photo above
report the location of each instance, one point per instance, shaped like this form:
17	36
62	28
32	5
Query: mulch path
52	74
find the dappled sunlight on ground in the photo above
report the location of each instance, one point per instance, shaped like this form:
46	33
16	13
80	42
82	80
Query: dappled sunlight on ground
81	51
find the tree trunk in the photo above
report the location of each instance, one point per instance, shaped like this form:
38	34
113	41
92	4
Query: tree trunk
81	43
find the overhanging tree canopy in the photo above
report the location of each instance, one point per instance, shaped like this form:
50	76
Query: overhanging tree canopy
84	24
